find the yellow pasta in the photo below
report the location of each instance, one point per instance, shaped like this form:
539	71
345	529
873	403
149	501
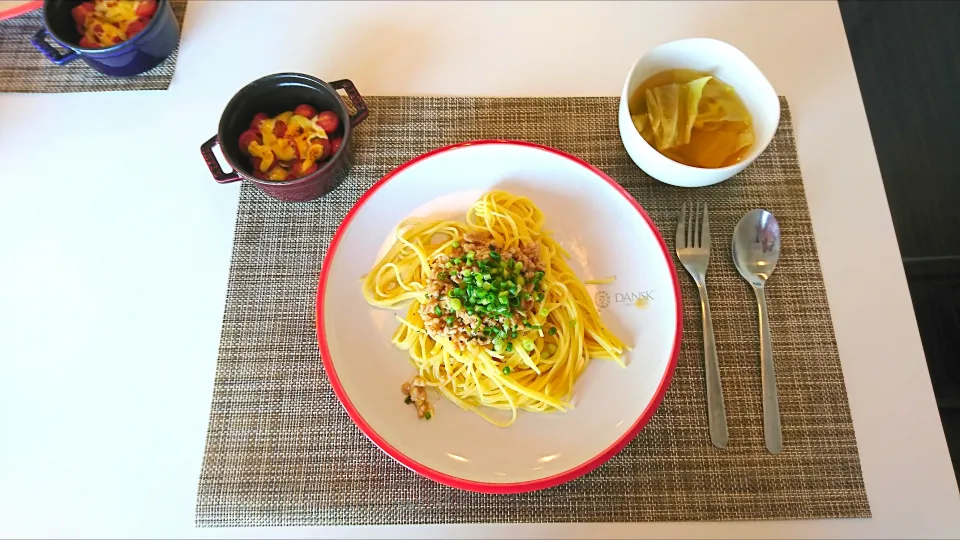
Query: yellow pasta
496	319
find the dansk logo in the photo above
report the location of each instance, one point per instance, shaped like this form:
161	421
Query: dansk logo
602	299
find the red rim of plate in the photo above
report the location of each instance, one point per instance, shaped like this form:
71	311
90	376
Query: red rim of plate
491	487
21	9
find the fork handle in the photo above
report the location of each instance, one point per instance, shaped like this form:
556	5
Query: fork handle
772	435
716	413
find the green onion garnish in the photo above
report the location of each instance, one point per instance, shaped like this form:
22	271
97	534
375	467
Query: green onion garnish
450	320
428	415
494	255
506	370
527	345
437	310
455	304
509	346
407	400
518	265
498	344
455	244
553	331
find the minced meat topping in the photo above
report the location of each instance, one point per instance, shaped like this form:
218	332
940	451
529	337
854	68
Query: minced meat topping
480	293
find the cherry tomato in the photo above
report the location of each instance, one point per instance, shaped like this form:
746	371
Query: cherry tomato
87	44
246	138
279	129
81	11
146	8
305	110
255	123
335	144
297	172
328	120
136	27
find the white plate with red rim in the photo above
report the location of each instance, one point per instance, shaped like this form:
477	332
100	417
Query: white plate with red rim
606	232
13	8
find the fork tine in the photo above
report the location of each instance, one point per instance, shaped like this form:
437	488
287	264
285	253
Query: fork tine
690	231
705	233
681	227
696	226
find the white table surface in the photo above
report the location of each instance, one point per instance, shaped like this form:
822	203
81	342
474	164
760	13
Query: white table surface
116	246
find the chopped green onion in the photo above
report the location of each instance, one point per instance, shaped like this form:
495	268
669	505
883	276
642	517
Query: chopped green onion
487	276
457	260
442	276
471	310
514	301
428	415
487	286
492	247
450	320
471	254
502	293
513	334
506	370
526	296
449	264
503	300
494	255
553	331
538	275
478	279
455	304
527	345
543	312
498	344
509	346
407	400
518	265
455	244
573	322
539	297
437	310
520	281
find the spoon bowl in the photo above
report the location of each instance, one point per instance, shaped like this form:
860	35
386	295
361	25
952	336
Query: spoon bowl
756	246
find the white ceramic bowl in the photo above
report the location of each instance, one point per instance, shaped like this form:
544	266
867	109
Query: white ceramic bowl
727	63
606	232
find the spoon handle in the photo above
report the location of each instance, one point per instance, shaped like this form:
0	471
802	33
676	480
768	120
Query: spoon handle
716	413
771	401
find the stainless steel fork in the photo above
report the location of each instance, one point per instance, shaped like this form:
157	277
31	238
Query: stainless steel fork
693	250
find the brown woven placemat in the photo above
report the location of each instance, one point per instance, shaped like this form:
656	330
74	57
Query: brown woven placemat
281	450
24	69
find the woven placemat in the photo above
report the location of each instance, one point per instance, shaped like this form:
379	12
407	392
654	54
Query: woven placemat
24	69
281	450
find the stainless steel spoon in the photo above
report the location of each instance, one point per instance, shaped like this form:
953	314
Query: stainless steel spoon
756	248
